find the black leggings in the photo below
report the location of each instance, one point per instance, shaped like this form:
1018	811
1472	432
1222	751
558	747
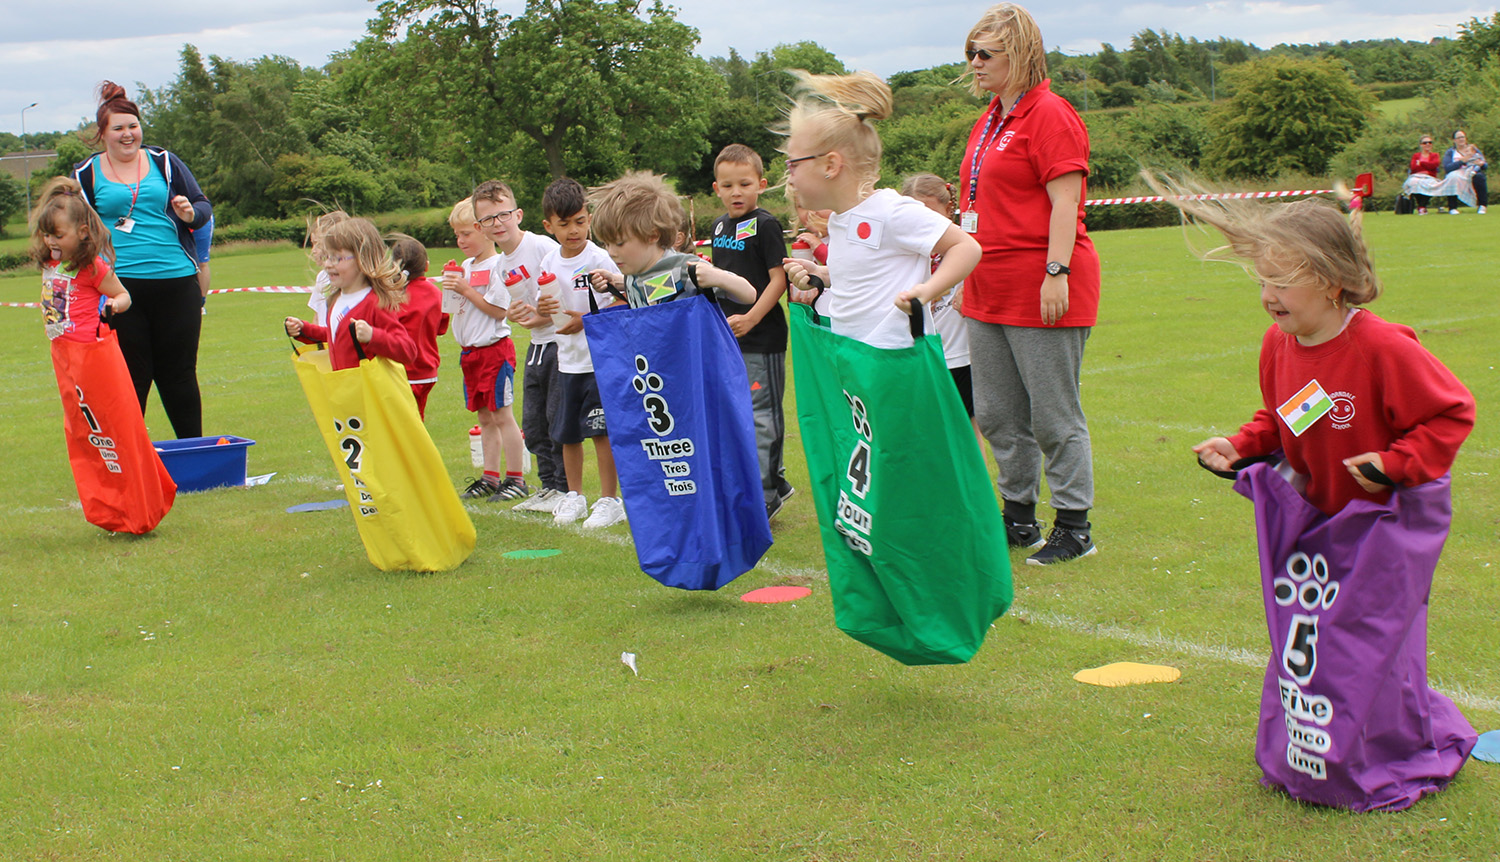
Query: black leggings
159	339
1481	193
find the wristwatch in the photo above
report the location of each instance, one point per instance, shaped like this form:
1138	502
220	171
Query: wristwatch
1055	268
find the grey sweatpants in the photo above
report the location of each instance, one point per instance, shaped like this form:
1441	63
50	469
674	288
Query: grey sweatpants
767	373
1026	401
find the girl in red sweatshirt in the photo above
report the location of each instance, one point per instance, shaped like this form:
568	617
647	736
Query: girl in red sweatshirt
365	291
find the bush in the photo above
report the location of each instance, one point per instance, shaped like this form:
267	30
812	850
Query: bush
14	260
261	230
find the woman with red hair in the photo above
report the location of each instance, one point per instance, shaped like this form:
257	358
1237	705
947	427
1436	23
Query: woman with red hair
151	203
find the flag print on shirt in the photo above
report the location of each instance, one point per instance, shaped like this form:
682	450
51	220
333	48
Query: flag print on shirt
745	229
1306	407
660	287
867	232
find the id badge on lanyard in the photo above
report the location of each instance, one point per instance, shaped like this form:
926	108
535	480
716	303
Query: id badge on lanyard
968	220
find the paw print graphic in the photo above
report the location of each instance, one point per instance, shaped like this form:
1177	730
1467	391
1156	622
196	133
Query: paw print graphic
648	384
1306	583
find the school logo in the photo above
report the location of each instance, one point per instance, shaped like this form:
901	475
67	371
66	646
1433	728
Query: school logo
745	229
1342	414
1004	141
868	232
718	228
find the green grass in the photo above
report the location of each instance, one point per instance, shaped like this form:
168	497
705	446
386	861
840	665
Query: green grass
243	685
1399	109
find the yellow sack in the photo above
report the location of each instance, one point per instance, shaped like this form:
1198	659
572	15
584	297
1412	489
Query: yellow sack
408	514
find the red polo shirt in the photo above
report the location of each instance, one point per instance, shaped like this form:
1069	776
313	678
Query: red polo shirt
1042	139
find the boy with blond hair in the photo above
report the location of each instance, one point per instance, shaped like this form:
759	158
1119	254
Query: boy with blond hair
488	357
747	241
521	254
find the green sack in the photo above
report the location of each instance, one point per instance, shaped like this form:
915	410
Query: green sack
915	547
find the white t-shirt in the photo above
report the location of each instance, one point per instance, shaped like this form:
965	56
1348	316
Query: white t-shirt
876	250
949	323
472	327
526	263
573	280
343	303
318	301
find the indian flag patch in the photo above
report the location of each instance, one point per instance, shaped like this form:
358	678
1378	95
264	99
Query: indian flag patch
1306	407
659	287
745	229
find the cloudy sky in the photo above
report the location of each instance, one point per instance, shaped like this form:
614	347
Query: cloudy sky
57	60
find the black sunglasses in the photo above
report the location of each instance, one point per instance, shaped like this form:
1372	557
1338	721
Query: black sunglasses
982	54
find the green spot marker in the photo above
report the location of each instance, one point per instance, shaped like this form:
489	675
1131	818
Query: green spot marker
530	554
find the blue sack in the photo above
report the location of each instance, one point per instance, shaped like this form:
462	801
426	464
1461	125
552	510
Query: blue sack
673	387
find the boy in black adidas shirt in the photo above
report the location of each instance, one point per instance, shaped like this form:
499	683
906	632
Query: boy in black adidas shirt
747	241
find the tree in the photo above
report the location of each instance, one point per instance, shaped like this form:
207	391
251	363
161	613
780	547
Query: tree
1479	41
1287	114
12	199
588	82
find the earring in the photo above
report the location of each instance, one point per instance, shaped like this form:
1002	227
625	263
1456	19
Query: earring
828	176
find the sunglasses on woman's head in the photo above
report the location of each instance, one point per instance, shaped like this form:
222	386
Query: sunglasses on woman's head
982	54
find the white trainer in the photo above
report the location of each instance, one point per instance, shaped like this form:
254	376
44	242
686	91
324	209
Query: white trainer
572	507
545	500
608	511
1481	210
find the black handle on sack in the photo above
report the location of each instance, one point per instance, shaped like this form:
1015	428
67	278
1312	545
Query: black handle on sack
1234	469
817	284
358	348
918	324
1371	472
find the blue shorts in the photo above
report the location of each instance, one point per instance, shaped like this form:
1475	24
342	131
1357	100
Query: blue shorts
579	414
203	237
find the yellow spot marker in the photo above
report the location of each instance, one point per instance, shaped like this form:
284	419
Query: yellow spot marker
1127	673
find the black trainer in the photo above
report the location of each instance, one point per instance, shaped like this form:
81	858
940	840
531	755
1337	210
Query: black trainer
1021	535
478	489
510	489
1064	544
774	505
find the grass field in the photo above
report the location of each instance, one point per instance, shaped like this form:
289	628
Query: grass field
1396	109
243	685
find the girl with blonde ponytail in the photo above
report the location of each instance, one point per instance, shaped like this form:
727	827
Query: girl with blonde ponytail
880	243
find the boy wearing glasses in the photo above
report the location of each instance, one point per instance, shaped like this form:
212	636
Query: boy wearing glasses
487	358
748	242
521	255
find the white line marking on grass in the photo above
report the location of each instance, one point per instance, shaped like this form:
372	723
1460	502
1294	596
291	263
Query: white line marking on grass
1152	640
1172	359
1155	640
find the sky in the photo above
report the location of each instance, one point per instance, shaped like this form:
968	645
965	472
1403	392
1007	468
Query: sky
58	64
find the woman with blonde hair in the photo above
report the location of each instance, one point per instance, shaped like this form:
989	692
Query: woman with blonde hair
1034	297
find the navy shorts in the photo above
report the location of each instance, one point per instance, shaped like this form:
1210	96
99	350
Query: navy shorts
579	414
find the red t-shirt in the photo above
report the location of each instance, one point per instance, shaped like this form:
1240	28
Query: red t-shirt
1426	163
71	301
1389	395
423	317
1042	139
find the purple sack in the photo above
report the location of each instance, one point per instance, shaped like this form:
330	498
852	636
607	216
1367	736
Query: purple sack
1346	716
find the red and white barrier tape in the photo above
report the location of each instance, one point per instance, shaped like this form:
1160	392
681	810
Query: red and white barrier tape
1223	196
273	289
276	289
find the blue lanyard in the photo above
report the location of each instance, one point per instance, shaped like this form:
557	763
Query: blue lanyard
976	161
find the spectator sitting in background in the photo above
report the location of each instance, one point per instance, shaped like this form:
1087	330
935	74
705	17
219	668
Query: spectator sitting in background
1464	156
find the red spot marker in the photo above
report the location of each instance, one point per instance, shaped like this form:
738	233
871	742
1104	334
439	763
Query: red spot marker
863	230
775	595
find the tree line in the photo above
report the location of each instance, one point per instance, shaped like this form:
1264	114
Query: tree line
439	94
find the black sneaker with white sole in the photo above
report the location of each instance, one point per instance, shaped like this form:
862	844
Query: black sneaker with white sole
1019	534
774	505
478	489
1064	544
510	489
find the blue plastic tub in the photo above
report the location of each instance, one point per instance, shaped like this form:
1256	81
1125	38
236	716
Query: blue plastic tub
201	463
